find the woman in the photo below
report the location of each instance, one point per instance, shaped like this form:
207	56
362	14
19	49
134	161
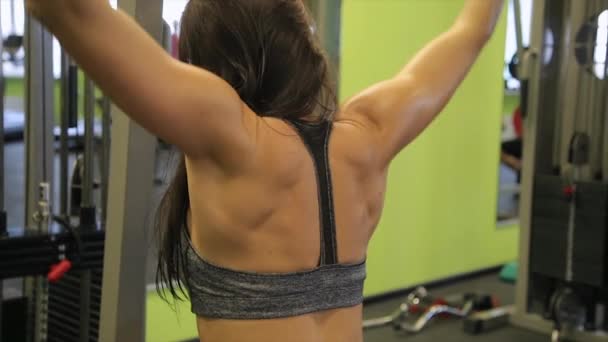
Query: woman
268	220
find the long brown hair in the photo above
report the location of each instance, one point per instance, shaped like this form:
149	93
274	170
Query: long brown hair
267	51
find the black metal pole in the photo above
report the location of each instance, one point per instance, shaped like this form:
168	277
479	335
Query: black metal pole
88	212
88	217
13	22
63	138
72	94
105	156
3	228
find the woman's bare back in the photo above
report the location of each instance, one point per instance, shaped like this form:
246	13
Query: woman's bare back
265	218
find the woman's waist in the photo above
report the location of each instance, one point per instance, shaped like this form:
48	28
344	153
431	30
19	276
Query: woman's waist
335	325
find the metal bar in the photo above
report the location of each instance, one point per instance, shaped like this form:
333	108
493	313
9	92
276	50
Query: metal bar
72	94
519	35
2	89
39	158
89	144
39	116
105	156
582	115
13	22
2	209
1	304
562	49
537	43
591	108
130	187
599	110
328	19
63	137
595	128
2	92
603	121
572	83
85	305
605	146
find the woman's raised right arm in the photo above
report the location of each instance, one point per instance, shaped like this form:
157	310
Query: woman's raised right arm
396	111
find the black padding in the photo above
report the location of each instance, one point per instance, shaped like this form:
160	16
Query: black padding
3	224
549	231
88	218
14	319
590	253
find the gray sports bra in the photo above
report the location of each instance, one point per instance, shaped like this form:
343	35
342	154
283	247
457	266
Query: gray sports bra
217	292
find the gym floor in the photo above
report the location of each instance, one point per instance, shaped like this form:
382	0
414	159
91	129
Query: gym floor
452	330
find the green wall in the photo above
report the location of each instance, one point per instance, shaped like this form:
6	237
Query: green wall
511	102
15	88
439	218
164	324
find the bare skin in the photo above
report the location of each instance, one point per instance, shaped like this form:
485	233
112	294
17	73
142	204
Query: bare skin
263	215
511	161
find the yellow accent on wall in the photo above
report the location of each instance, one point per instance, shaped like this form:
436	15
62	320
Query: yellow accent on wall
440	213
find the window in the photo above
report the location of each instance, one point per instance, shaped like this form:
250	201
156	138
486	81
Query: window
13	21
601	45
592	45
511	138
511	44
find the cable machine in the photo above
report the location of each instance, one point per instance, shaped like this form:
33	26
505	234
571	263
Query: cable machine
563	278
60	250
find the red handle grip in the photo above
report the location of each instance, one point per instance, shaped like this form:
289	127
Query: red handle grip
570	191
59	270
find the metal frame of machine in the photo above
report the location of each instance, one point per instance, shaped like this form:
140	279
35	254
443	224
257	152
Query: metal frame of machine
521	317
328	20
3	223
129	187
39	164
132	158
570	87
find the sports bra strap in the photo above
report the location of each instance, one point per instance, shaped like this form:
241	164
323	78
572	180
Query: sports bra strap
316	138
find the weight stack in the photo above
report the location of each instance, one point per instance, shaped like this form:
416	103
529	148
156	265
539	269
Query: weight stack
74	306
549	231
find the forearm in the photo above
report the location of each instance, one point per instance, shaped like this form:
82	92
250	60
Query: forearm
479	17
510	161
458	47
